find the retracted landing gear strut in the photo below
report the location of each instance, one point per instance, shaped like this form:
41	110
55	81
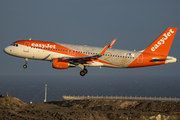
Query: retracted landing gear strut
83	70
25	65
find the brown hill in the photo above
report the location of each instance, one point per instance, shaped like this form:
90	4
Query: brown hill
13	108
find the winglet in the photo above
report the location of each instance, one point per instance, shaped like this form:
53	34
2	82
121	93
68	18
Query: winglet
104	50
112	43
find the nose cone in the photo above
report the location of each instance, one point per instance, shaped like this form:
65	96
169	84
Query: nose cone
5	50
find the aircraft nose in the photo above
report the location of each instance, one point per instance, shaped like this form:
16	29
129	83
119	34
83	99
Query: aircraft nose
7	50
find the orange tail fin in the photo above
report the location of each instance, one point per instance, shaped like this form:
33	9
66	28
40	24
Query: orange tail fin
163	43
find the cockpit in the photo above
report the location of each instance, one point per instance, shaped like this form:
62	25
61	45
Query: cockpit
14	44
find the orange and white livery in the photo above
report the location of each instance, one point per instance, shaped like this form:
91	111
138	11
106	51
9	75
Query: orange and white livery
64	56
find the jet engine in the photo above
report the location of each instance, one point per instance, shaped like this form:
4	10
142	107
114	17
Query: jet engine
61	64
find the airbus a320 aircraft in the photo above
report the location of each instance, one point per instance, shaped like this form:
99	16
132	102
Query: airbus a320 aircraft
64	56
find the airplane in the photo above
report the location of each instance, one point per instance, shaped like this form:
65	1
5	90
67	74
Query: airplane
64	56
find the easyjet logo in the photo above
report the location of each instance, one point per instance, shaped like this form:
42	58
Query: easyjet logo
43	45
162	40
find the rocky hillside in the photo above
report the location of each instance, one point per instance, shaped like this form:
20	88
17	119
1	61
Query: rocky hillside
13	108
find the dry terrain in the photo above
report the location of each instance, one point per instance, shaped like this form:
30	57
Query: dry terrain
13	108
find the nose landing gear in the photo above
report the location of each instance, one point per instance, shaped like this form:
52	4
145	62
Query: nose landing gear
25	65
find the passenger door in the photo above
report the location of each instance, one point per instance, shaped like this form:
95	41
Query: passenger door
26	46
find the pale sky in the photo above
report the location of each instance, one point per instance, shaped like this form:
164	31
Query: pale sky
135	24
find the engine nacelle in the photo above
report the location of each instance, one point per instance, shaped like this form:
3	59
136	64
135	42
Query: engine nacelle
61	64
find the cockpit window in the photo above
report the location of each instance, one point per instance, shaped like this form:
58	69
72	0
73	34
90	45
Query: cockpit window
13	44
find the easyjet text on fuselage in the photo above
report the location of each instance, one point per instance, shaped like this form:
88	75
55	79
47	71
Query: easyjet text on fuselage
43	45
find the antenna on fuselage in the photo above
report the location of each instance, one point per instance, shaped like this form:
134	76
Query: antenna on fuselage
29	38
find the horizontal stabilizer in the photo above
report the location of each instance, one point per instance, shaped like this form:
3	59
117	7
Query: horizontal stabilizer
158	59
164	59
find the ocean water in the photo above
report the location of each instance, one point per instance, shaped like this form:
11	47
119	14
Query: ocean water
31	88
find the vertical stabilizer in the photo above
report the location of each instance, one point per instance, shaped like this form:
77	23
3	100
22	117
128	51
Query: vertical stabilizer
163	43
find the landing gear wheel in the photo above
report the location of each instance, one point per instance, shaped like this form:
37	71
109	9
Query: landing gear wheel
85	71
82	73
24	66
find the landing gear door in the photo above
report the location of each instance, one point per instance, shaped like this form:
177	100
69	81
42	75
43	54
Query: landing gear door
140	59
26	47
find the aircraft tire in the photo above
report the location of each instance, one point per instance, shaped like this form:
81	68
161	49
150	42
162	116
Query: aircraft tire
82	73
86	71
24	66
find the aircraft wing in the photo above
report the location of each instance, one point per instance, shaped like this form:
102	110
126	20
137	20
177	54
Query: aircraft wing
86	59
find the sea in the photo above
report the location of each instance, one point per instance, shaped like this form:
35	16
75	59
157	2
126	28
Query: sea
31	88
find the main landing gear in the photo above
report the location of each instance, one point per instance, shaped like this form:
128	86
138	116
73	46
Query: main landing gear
25	65
84	71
